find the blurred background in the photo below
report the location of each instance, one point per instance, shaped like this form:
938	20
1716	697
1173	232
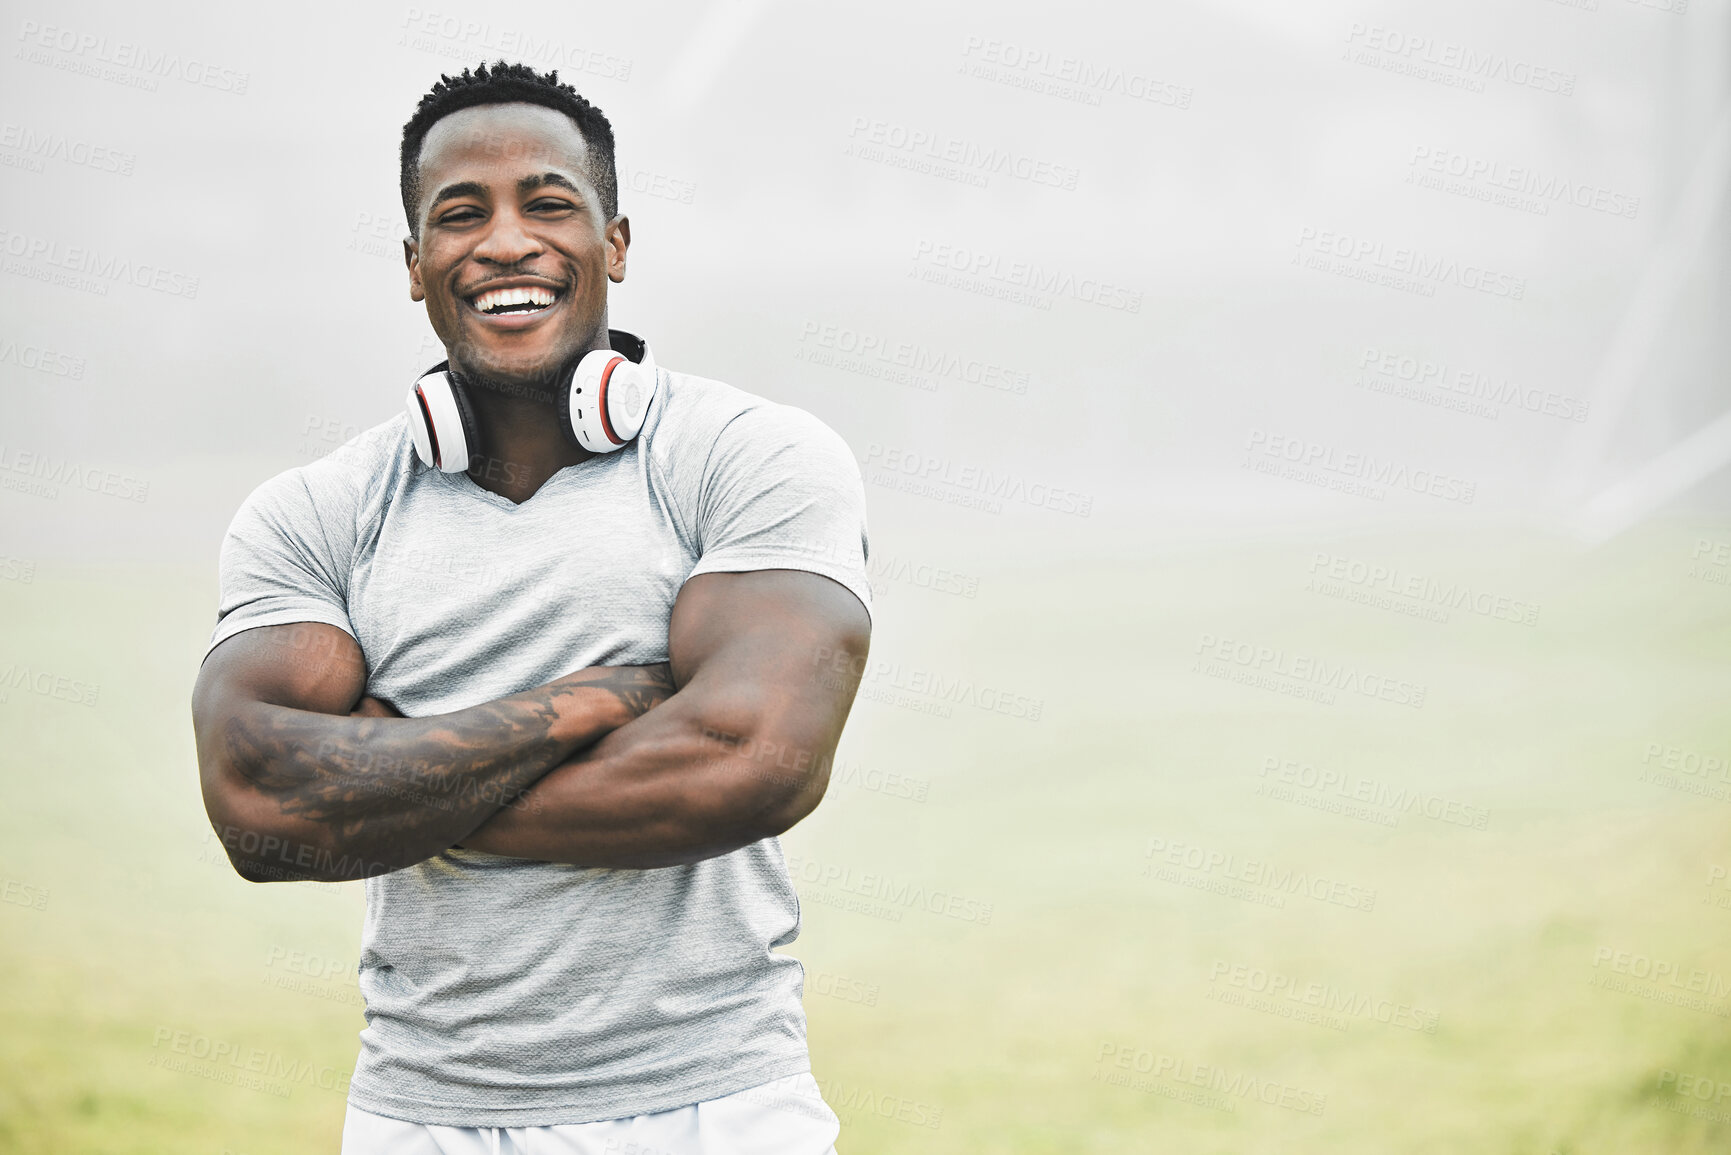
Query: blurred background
1295	442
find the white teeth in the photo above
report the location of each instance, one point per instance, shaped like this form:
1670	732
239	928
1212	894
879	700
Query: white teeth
525	295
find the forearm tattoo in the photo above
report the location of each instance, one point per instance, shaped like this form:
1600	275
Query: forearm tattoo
400	793
638	688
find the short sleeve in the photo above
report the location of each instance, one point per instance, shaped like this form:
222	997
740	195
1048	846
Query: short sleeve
781	490
277	565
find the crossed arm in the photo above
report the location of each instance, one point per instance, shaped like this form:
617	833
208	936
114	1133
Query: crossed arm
621	766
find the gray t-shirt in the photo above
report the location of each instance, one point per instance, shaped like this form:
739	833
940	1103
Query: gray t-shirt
506	992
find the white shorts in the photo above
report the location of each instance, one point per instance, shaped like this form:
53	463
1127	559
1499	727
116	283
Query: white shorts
784	1117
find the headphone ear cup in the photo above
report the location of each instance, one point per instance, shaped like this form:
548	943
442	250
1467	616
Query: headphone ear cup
606	390
441	422
629	392
420	425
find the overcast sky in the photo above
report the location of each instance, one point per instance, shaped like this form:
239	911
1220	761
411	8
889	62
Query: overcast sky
1164	241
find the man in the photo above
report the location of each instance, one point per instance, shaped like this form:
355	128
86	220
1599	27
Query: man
554	709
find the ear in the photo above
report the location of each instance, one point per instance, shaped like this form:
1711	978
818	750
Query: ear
412	258
618	240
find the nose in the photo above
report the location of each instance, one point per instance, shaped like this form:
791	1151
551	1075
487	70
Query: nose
508	241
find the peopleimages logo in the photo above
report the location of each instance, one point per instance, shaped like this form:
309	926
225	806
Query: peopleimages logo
1358	468
861	350
884	568
1273	667
1229	1084
1447	62
87	53
1399	374
1400	266
1324	997
837	670
1279	879
1485	179
444	34
42	360
980	271
1660	980
894	892
40	474
1358	797
891	465
47	684
17	569
1065	77
23	894
1684	1086
40	146
1349	577
232	1060
1685	770
37	257
883	140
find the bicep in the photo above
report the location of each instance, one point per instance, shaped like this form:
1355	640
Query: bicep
769	654
769	624
304	666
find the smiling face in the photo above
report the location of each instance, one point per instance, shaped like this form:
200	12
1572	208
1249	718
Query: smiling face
512	255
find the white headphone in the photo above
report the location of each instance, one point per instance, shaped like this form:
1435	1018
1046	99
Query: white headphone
602	403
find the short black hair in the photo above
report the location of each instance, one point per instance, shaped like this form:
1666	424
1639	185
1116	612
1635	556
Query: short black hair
509	84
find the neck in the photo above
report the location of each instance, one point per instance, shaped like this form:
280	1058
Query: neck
521	442
521	445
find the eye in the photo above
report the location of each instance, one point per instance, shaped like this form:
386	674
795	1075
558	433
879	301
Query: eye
459	216
551	205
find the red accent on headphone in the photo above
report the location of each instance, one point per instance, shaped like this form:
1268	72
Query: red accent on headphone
432	434
601	392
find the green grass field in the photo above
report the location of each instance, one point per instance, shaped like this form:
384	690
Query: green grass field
1138	866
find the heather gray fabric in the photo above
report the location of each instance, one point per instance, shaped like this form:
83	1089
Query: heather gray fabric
504	992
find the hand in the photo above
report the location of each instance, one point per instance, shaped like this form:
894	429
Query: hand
645	688
628	691
635	690
371	707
